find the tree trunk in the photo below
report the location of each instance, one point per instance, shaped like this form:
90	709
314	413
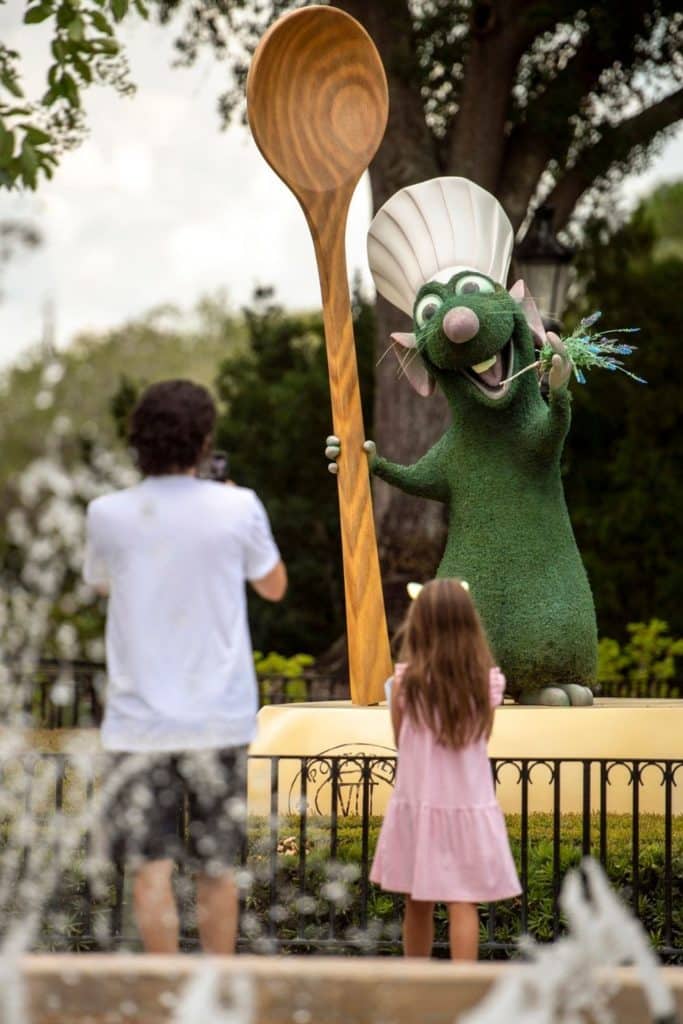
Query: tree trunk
478	136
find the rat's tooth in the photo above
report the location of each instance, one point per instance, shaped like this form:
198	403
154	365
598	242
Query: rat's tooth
486	365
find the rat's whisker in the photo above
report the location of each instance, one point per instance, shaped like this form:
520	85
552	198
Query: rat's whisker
405	361
387	350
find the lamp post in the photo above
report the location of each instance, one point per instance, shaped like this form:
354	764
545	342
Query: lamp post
543	262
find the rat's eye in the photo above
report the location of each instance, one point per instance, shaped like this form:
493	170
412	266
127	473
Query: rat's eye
472	284
426	308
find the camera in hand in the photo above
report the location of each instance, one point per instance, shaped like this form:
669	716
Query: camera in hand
217	467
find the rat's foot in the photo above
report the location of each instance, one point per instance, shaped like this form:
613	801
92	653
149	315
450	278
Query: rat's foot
579	696
560	695
547	696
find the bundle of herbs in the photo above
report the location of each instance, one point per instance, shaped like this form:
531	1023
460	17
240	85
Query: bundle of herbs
587	349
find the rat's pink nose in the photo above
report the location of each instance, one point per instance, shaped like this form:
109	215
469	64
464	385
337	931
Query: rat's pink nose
460	324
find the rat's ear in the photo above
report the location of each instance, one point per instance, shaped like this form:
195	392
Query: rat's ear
521	294
411	364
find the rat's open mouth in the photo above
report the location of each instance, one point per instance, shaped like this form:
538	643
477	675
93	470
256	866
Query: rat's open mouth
490	374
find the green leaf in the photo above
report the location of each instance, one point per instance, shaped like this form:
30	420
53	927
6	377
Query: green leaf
29	157
10	83
119	8
65	15
40	13
6	145
70	89
141	8
101	23
76	29
83	69
29	162
106	45
37	137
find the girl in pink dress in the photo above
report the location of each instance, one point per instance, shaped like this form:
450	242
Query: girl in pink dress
443	838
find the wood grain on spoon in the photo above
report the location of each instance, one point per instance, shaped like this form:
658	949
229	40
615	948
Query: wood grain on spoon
317	103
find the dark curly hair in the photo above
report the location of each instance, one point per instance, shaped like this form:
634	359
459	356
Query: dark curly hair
170	425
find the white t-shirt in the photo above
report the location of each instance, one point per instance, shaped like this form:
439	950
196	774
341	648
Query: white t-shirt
175	552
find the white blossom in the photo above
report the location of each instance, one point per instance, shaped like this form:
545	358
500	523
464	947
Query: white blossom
18	529
95	650
41	549
47	527
67	640
43	400
52	374
61	425
62	691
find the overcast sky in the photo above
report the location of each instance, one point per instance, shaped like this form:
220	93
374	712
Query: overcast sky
159	206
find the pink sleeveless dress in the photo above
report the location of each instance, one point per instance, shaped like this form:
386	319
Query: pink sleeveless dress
443	837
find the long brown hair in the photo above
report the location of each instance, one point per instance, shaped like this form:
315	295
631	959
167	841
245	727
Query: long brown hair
446	681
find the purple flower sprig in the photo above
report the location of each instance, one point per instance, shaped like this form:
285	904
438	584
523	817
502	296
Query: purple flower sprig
588	350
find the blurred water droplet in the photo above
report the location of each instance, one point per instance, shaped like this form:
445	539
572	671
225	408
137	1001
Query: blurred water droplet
62	690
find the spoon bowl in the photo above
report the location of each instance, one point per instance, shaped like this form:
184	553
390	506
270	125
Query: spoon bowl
317	99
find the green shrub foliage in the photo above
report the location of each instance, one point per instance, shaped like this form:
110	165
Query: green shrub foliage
305	908
623	455
645	666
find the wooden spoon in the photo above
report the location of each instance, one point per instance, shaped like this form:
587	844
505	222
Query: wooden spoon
317	103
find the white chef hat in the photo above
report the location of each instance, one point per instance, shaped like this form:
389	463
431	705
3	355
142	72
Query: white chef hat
433	230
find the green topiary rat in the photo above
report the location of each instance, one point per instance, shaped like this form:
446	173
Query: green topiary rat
497	467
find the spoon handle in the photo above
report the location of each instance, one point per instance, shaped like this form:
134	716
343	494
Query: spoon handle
366	629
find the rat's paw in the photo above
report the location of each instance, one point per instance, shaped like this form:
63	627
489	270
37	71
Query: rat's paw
332	452
370	449
561	368
559	695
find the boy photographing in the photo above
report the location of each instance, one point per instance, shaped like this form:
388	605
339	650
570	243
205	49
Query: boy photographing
173	553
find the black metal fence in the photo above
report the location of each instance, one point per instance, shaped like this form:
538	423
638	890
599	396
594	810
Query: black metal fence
70	694
648	689
312	827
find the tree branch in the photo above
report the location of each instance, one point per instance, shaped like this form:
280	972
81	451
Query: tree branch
496	46
547	130
614	146
531	144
